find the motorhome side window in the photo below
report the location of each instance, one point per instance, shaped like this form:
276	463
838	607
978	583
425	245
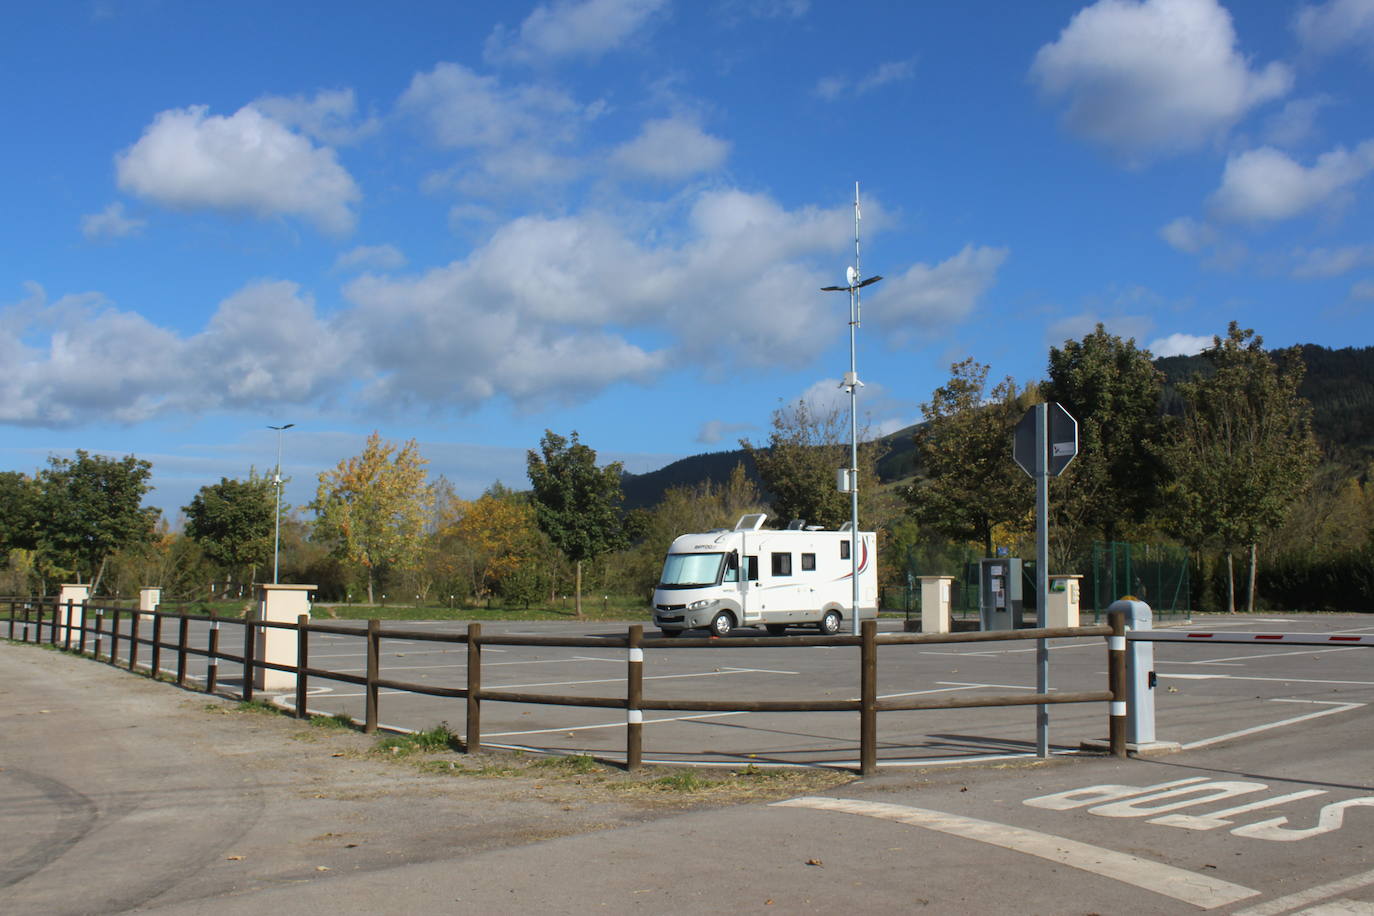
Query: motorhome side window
844	550
751	568
731	567
808	562
782	564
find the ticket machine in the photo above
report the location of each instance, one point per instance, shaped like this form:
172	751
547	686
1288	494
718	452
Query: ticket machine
1000	600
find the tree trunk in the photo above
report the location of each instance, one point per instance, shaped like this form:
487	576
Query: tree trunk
1230	584
369	587
1254	562
578	600
99	574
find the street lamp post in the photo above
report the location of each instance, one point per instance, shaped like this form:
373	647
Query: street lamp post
276	481
851	381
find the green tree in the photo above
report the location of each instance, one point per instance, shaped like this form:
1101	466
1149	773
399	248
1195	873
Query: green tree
232	521
1113	390
798	467
1242	451
969	488
89	507
372	508
18	512
576	503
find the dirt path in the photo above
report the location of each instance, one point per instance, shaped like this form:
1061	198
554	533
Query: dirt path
121	792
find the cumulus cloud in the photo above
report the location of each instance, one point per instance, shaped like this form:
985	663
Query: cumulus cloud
1188	235
927	298
467	110
1327	28
1179	345
672	149
1332	262
111	223
371	257
247	162
331	116
571	28
831	88
1295	122
1266	184
1150	78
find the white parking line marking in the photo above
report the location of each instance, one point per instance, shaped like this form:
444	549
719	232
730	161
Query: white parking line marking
1311	895
1338	707
615	680
1246	658
1242	677
1199	890
998	686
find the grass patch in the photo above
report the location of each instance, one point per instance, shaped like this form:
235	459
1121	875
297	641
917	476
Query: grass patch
338	721
259	707
579	764
439	738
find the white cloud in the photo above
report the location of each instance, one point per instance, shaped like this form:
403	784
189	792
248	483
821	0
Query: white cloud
572	28
1295	122
331	117
371	257
1332	262
111	223
671	148
1188	235
1154	77
712	431
1265	184
927	298
466	110
1179	345
1076	327
831	88
246	162
1328	28
1363	291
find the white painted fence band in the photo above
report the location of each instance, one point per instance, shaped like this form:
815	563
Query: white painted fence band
635	717
1118	708
636	656
1116	643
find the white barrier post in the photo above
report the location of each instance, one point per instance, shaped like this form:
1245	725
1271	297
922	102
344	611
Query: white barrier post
935	604
77	594
282	604
1140	680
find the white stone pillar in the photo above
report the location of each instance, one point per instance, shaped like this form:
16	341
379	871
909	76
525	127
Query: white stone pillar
149	597
1062	603
935	601
78	595
281	603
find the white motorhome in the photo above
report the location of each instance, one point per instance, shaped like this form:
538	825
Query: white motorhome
798	577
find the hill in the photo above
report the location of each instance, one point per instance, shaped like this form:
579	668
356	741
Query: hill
1338	383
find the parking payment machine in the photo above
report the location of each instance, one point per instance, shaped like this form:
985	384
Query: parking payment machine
999	592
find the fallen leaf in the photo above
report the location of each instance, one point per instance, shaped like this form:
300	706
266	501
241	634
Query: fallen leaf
768	902
815	862
321	868
337	754
234	858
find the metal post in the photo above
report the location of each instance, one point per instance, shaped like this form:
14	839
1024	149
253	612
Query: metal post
1116	676
302	662
374	664
472	737
1042	573
276	528
634	696
868	699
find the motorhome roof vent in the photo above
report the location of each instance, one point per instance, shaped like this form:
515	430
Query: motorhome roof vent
797	524
752	522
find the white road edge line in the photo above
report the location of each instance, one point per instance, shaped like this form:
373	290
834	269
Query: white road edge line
1167	880
1339	707
1312	894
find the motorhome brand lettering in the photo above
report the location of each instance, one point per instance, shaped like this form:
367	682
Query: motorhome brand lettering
1160	804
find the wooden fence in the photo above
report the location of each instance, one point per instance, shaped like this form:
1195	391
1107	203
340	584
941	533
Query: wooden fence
69	627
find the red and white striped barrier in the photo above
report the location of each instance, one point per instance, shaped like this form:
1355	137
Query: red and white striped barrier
1287	639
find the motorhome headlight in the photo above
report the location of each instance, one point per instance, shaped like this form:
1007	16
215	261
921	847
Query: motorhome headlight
697	605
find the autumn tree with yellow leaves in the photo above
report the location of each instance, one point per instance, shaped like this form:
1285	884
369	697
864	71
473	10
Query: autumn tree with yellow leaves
372	508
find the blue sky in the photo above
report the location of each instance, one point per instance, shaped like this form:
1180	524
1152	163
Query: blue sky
468	222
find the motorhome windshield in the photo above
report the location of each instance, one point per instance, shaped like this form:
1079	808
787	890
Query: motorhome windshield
691	570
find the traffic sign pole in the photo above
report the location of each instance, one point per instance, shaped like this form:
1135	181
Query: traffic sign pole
1042	574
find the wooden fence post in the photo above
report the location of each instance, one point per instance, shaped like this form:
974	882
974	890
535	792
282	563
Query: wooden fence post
472	737
634	696
114	637
67	627
157	644
212	657
374	665
183	632
81	637
1116	678
133	639
250	645
99	633
868	698
302	662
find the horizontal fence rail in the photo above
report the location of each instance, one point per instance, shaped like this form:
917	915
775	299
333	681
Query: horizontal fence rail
73	625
